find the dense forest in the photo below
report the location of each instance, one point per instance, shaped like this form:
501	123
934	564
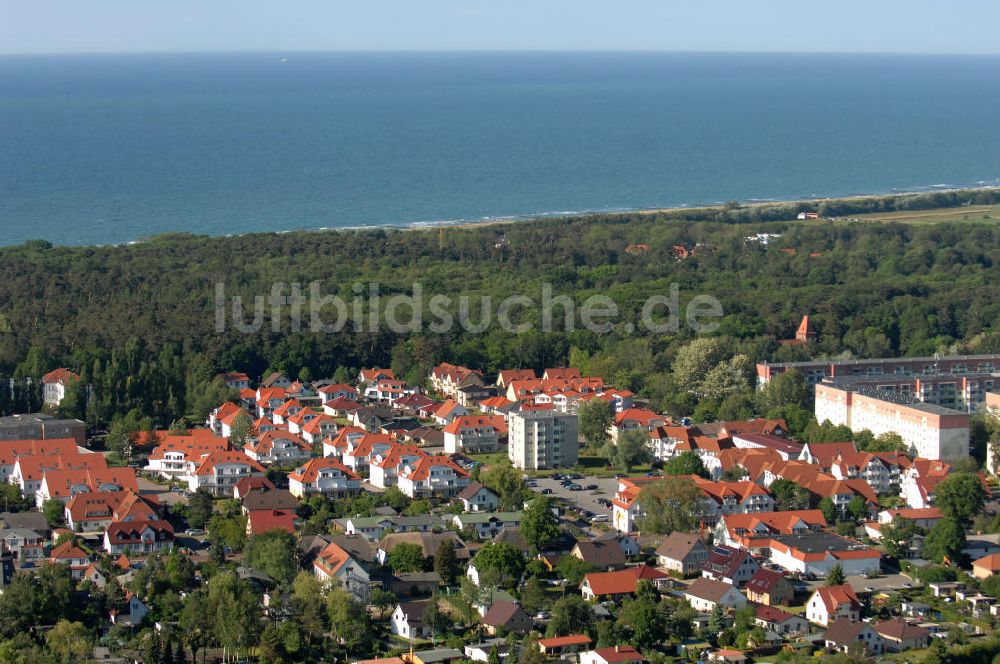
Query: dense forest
138	321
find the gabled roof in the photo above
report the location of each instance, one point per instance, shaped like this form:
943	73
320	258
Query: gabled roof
60	483
844	631
615	654
827	453
501	613
131	531
36	466
265	442
275	499
368	375
245	485
708	589
10	450
192	448
470	491
990	562
506	376
68	550
309	472
621	582
835	596
495	422
331	559
261	521
764	581
773	614
601	554
643	416
898	629
421	470
678	545
448	408
62	376
224	457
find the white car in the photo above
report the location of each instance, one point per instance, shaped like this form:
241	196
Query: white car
600	518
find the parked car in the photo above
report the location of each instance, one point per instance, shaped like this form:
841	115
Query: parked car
591	487
575	487
194	531
600	518
546	492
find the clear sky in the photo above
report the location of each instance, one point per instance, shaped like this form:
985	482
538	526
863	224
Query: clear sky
884	26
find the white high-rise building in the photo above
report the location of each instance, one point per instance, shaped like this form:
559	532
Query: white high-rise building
540	437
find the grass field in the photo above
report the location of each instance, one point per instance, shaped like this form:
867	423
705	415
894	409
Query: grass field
974	213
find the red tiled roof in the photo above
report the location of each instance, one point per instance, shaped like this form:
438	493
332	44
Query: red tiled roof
621	582
562	641
62	376
261	521
227	456
421	470
311	469
835	596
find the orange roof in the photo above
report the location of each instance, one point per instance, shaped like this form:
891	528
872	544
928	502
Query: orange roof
192	447
309	471
621	582
261	521
561	641
472	422
315	424
331	559
347	434
447	408
421	469
11	449
285	408
495	402
509	375
227	456
393	457
368	375
643	416
34	466
561	373
990	562
68	550
835	596
62	376
265	394
265	442
60	483
453	372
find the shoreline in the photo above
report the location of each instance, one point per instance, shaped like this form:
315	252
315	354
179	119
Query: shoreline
677	213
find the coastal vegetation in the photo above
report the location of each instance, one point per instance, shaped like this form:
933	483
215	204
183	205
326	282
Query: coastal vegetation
138	322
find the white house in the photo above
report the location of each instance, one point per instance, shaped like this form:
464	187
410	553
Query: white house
477	498
324	476
432	476
829	603
705	594
408	620
219	472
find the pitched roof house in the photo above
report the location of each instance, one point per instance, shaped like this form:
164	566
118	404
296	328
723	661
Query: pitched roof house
682	553
849	636
831	602
705	594
620	584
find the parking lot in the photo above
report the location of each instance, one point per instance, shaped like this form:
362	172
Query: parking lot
582	500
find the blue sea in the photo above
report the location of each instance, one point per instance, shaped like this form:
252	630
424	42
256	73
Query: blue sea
109	149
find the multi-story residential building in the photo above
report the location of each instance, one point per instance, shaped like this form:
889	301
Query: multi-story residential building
38	426
278	447
474	434
386	466
682	553
10	450
487	525
324	476
818	553
346	438
449	378
179	456
26	544
754	531
317	429
432	476
931	431
636	418
235	380
96	510
336	565
138	537
818	370
63	484
30	470
70	554
538	437
219	472
360	451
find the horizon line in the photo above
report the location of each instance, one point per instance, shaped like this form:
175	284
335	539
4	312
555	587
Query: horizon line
546	51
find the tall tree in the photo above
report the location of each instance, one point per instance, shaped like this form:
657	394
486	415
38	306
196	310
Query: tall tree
446	562
499	565
961	497
945	541
673	503
539	525
835	577
595	418
630	450
685	463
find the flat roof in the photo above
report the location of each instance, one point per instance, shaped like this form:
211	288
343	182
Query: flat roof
819	542
881	360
